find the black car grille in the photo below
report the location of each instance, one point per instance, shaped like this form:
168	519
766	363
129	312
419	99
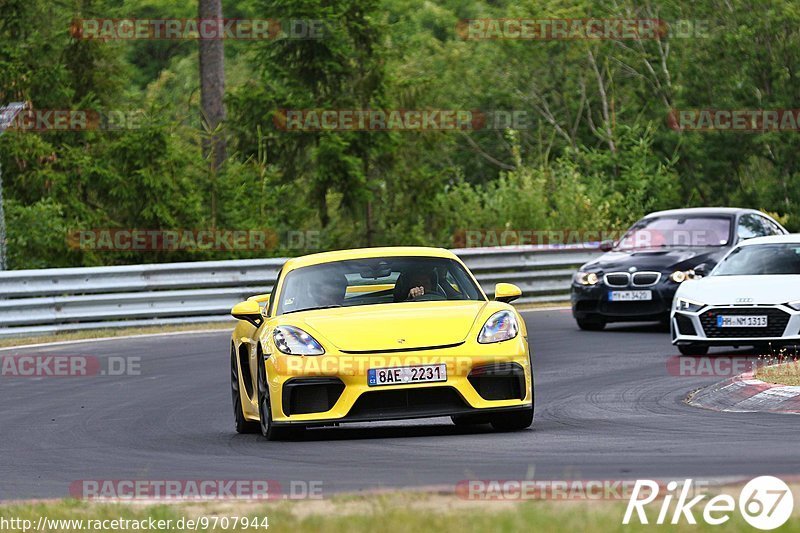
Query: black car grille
776	323
617	279
685	326
643	279
407	402
311	395
501	381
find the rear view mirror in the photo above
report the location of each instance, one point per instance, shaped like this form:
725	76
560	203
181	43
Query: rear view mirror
701	270
606	246
249	311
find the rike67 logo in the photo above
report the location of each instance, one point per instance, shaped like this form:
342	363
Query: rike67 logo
765	503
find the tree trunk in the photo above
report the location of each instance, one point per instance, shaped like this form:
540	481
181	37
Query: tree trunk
212	92
2	226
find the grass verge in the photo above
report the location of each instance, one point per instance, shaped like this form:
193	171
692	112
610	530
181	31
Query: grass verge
391	512
782	374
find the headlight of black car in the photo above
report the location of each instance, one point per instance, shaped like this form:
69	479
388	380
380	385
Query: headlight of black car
586	278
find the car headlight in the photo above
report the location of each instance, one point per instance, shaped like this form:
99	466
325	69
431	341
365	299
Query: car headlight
679	276
501	326
684	304
586	278
794	305
294	341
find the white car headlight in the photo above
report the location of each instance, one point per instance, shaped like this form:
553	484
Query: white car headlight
684	304
586	278
294	341
794	305
679	276
501	326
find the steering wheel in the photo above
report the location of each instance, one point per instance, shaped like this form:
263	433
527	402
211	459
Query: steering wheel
428	297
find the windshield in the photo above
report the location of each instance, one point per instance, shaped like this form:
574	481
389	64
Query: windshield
376	281
761	259
666	232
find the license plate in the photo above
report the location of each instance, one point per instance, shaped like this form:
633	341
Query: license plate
629	296
738	321
406	375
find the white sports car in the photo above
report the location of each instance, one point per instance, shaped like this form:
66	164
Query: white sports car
751	298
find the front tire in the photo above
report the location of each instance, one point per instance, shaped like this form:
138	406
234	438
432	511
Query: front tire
693	349
591	323
513	421
242	425
268	429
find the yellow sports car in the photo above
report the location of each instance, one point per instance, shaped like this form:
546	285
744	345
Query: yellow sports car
379	334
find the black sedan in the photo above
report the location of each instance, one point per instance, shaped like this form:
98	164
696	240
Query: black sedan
636	279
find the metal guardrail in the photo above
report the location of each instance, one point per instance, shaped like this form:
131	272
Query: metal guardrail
69	299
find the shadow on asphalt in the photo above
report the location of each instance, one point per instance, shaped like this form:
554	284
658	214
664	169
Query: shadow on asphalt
390	432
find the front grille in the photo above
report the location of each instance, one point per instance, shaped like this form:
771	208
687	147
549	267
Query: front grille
617	279
645	279
407	402
502	381
310	395
685	325
776	323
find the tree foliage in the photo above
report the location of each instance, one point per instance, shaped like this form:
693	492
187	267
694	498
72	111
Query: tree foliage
596	151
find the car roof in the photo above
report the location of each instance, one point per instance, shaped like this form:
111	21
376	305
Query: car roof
792	238
366	253
703	211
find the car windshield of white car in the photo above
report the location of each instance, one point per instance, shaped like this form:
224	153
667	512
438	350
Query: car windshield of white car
684	231
761	259
378	280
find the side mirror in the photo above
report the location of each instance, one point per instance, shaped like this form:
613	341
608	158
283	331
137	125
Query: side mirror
249	311
506	292
260	298
701	270
606	246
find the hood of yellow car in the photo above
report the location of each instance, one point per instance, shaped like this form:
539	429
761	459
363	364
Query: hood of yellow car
396	326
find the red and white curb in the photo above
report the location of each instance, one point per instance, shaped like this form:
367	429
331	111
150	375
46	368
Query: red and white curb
745	394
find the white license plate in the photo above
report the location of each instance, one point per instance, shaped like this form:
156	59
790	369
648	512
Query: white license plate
629	296
738	321
406	375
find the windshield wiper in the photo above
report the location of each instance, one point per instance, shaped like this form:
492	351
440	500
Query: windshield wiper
312	308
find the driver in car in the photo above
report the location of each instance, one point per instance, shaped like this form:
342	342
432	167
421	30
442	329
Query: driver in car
421	282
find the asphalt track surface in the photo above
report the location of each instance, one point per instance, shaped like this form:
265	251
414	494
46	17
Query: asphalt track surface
606	408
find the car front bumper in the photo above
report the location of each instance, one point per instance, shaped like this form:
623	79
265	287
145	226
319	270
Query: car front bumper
783	326
333	388
593	301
